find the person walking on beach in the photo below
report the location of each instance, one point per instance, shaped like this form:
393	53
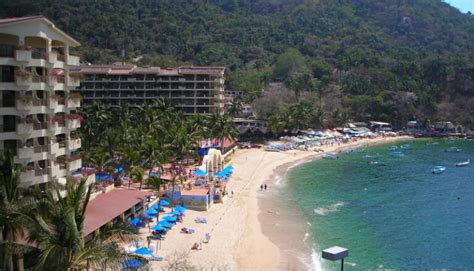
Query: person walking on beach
265	187
261	187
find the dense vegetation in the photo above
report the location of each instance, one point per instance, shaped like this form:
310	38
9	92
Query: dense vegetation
146	137
45	229
390	60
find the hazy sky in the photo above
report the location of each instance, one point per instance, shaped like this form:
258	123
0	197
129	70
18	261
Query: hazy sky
462	5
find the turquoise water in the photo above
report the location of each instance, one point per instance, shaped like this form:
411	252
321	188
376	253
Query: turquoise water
398	216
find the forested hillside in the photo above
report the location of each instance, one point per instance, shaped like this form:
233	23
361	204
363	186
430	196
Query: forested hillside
388	60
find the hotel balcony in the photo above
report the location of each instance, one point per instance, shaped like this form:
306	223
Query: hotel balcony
74	164
31	152
73	124
74	144
34	105
74	102
58	148
33	82
34	176
24	128
72	60
73	81
56	126
23	55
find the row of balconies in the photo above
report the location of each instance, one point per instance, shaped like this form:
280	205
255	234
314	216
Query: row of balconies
53	103
37	151
145	80
42	82
36	175
23	55
27	128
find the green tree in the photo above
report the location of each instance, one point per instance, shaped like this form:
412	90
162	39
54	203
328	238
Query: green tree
57	230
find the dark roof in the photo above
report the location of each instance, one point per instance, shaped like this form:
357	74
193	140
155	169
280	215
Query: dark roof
129	69
105	207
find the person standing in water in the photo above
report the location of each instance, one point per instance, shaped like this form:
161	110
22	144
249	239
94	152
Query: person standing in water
265	187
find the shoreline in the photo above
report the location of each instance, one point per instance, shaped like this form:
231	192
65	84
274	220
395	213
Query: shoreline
241	239
273	223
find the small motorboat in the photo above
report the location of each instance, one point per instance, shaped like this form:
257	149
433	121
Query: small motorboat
463	164
453	149
397	153
439	169
376	163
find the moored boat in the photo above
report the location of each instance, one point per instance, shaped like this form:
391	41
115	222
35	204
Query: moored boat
453	149
376	163
463	164
396	153
439	169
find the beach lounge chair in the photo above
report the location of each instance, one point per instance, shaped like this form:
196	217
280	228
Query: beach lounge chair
200	220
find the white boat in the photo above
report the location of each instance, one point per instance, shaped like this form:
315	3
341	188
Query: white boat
376	163
330	156
463	164
453	149
439	169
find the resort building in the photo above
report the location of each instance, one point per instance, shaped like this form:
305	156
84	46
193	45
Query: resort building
38	116
194	90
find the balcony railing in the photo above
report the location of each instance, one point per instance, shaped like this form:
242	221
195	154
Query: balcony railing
39	79
39	53
40	125
41	172
40	148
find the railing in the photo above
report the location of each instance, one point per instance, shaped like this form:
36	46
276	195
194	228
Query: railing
39	53
62	144
41	172
39	79
61	57
40	125
40	149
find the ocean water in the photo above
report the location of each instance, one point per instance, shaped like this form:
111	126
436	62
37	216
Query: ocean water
398	216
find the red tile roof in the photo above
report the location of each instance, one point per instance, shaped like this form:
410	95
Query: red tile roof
18	19
120	71
105	207
201	70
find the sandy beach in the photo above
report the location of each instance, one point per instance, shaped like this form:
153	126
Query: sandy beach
241	227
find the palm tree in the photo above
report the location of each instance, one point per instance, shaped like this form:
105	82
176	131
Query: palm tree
276	124
235	107
223	127
138	174
12	208
57	230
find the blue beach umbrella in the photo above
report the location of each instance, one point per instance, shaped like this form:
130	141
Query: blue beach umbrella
159	228
174	213
169	218
200	172
143	251
135	221
151	212
180	208
164	224
164	203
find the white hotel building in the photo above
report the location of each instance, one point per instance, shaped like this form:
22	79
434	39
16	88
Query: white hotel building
38	115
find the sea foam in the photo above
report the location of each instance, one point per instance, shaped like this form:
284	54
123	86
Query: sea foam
329	209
